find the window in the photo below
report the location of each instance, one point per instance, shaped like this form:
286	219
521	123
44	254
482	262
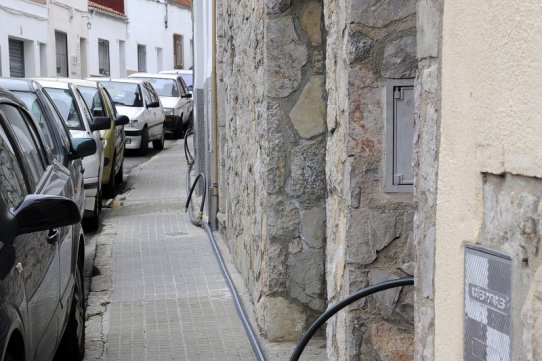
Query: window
178	56
12	185
28	143
103	57
400	135
93	100
61	42
146	95
16	58
142	58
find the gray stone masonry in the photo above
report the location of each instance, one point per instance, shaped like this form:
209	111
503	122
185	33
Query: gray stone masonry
369	231
426	145
272	118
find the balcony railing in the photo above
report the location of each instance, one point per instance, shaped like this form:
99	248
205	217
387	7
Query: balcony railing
117	5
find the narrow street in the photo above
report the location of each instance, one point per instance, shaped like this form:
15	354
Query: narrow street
156	291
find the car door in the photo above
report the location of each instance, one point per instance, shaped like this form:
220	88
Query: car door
150	112
120	137
38	253
158	112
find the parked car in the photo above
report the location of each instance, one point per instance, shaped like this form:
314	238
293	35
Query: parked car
42	310
99	102
138	100
187	75
80	122
175	98
56	135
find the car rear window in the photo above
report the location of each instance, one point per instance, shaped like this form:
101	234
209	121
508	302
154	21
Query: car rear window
33	104
93	100
164	87
67	107
124	94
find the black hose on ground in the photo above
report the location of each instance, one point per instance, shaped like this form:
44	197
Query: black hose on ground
367	291
200	222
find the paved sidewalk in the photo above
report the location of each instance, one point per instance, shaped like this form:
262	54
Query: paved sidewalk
155	290
161	296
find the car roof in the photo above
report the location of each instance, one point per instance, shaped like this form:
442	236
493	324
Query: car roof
176	71
78	82
120	80
53	83
16	84
153	76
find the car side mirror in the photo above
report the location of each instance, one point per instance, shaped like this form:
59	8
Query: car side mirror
82	147
43	212
100	123
153	105
187	96
122	120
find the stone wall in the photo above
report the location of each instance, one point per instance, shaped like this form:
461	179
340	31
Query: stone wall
272	111
369	230
426	145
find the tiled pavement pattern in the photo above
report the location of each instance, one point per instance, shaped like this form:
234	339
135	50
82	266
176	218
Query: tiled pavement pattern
169	299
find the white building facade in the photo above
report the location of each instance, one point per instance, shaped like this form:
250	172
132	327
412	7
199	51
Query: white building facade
24	38
159	36
81	38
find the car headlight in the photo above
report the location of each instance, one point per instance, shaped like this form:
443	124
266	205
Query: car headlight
168	111
134	122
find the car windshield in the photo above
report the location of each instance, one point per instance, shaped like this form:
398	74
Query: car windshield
124	94
164	87
32	103
93	100
67	107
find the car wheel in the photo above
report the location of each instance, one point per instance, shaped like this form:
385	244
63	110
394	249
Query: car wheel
158	144
179	131
72	345
119	177
144	146
109	188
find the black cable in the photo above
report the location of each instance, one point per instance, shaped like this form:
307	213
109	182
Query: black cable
367	291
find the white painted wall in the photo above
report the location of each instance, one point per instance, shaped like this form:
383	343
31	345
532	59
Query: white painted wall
114	30
27	21
147	27
70	17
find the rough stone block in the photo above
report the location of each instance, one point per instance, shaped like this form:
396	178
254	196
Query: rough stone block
281	319
306	277
361	249
273	7
358	47
531	315
402	347
308	183
309	114
310	19
400	58
313	227
283	221
383	229
285	56
379	13
428	29
386	300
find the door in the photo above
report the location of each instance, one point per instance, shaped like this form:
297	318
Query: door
37	254
16	58
61	42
